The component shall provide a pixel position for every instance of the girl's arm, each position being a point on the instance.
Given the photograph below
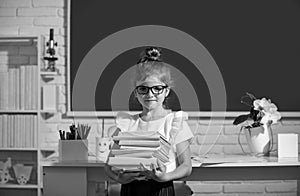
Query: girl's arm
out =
(185, 164)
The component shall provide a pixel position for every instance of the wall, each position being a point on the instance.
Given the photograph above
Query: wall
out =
(35, 17)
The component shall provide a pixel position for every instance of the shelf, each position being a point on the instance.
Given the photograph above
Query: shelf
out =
(21, 126)
(18, 149)
(48, 111)
(12, 38)
(18, 111)
(48, 73)
(48, 149)
(18, 186)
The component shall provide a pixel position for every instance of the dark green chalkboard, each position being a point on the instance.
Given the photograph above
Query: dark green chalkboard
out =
(254, 43)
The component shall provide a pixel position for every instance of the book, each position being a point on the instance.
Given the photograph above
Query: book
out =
(130, 162)
(34, 87)
(2, 86)
(30, 95)
(146, 154)
(139, 148)
(13, 129)
(129, 151)
(144, 143)
(128, 137)
(35, 138)
(22, 87)
(137, 145)
(11, 89)
(161, 156)
(5, 130)
(139, 134)
(18, 131)
(17, 88)
(5, 91)
(1, 130)
(9, 130)
(26, 95)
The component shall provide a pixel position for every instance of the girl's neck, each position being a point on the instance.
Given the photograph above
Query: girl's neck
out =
(148, 115)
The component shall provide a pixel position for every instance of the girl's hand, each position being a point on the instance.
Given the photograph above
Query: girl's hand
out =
(127, 177)
(121, 176)
(157, 173)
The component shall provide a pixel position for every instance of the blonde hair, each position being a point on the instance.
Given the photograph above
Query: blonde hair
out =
(150, 64)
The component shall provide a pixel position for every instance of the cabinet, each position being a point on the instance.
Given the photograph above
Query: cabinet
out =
(20, 114)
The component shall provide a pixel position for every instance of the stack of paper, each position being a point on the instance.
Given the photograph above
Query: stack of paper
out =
(138, 147)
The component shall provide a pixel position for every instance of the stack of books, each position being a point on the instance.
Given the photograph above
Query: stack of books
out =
(135, 148)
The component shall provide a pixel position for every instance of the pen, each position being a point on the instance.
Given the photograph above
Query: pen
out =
(62, 135)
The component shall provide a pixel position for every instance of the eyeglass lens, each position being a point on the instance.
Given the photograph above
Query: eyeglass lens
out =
(154, 89)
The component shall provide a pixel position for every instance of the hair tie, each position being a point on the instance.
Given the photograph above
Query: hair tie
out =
(151, 54)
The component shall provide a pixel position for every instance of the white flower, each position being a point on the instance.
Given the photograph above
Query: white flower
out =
(270, 117)
(268, 109)
(265, 105)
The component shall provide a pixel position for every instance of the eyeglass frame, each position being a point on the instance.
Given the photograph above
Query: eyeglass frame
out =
(151, 89)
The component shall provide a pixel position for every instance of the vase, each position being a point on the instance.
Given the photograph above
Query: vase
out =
(259, 139)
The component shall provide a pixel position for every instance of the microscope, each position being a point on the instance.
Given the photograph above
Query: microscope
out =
(51, 51)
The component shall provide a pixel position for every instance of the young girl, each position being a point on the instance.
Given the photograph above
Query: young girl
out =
(152, 86)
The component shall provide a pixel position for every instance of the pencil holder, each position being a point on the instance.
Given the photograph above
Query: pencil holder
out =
(73, 150)
(103, 145)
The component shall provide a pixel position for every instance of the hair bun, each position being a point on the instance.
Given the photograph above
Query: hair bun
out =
(151, 54)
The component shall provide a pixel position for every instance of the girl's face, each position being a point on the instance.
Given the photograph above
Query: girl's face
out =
(151, 92)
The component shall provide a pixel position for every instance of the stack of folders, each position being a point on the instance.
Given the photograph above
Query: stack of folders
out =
(135, 148)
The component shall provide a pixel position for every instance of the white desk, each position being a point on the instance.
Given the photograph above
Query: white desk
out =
(77, 178)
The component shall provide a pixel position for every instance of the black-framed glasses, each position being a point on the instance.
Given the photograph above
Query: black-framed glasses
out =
(156, 90)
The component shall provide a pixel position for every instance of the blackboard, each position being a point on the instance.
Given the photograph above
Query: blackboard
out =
(245, 46)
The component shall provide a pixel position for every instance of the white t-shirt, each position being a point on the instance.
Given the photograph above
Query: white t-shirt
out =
(173, 127)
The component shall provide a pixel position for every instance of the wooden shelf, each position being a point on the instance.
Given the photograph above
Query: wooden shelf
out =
(18, 111)
(18, 186)
(48, 111)
(18, 149)
(27, 129)
(49, 73)
(48, 149)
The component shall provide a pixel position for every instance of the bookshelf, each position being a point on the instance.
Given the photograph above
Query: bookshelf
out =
(21, 111)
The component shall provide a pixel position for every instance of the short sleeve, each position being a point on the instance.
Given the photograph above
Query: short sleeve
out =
(184, 132)
(123, 121)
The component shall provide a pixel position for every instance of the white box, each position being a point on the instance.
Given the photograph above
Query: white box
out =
(73, 150)
(287, 145)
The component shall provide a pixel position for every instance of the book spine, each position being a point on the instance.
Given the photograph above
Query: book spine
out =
(34, 87)
(10, 89)
(27, 126)
(35, 134)
(5, 130)
(1, 90)
(140, 143)
(22, 87)
(8, 130)
(5, 91)
(17, 88)
(17, 132)
(26, 106)
(30, 95)
(23, 130)
(1, 131)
